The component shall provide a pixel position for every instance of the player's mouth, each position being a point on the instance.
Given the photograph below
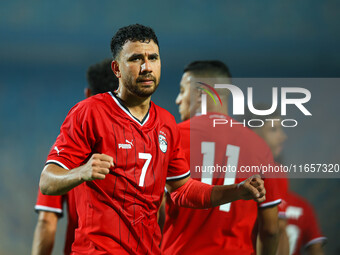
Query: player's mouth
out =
(146, 80)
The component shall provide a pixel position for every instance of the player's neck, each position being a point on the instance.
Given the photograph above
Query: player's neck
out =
(138, 106)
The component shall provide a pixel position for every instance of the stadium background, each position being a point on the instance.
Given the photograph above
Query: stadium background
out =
(46, 47)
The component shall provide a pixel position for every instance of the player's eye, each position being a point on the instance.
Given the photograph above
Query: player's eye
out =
(135, 58)
(153, 57)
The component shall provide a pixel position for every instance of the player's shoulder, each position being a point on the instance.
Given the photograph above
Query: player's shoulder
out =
(163, 115)
(296, 199)
(92, 104)
(98, 99)
(184, 124)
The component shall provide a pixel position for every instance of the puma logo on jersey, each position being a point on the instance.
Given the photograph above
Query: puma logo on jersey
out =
(127, 145)
(127, 141)
(58, 151)
(124, 146)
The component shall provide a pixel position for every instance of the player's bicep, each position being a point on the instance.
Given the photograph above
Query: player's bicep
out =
(315, 249)
(172, 185)
(268, 220)
(49, 173)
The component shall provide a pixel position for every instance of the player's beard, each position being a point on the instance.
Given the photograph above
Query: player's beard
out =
(139, 89)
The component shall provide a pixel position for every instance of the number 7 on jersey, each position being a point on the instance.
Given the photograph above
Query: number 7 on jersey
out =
(148, 157)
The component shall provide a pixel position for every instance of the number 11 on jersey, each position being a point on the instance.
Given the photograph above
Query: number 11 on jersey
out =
(208, 151)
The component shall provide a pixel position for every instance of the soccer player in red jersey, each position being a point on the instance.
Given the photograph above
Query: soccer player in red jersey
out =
(302, 229)
(274, 135)
(100, 79)
(118, 151)
(227, 229)
(298, 225)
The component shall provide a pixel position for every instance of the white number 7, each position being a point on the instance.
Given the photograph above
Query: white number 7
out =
(148, 157)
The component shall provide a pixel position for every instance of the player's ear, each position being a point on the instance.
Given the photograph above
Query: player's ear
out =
(115, 68)
(87, 92)
(197, 94)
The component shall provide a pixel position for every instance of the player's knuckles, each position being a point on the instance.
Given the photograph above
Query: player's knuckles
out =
(98, 176)
(96, 162)
(95, 156)
(104, 171)
(254, 192)
(261, 199)
(105, 164)
(105, 157)
(264, 190)
(256, 176)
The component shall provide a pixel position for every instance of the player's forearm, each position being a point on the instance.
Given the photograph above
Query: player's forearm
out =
(268, 230)
(222, 194)
(56, 180)
(315, 249)
(194, 194)
(269, 244)
(43, 240)
(283, 247)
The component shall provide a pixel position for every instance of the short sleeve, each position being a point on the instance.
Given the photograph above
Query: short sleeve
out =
(49, 203)
(283, 189)
(271, 184)
(76, 139)
(312, 233)
(273, 196)
(178, 166)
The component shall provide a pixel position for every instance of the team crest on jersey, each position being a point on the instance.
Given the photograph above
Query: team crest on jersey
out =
(163, 145)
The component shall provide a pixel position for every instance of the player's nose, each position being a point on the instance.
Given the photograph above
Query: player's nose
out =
(283, 136)
(146, 67)
(178, 99)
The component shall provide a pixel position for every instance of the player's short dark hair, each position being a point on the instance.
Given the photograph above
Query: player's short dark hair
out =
(131, 33)
(248, 115)
(212, 68)
(101, 78)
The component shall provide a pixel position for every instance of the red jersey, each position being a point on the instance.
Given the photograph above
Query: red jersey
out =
(282, 186)
(229, 228)
(302, 228)
(119, 214)
(55, 204)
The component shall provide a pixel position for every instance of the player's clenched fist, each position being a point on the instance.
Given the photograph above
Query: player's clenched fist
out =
(253, 188)
(97, 167)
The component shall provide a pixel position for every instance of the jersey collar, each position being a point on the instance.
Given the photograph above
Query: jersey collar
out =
(119, 102)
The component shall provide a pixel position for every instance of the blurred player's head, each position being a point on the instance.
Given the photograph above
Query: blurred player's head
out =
(100, 78)
(271, 131)
(206, 69)
(136, 62)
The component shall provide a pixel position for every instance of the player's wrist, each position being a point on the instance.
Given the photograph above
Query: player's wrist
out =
(79, 175)
(242, 193)
(238, 191)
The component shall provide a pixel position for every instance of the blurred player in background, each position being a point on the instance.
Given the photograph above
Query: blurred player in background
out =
(298, 225)
(100, 79)
(275, 137)
(303, 229)
(231, 228)
(118, 151)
